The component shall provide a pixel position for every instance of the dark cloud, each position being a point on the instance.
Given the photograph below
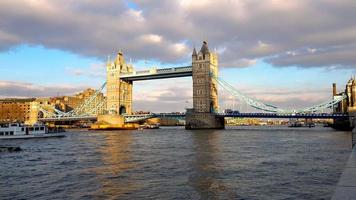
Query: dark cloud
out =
(242, 31)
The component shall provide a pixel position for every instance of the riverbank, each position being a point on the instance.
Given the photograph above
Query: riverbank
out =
(346, 187)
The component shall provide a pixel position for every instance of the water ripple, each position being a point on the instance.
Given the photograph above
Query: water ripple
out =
(172, 163)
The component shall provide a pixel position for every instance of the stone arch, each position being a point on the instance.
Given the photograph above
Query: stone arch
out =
(122, 110)
(40, 114)
(212, 110)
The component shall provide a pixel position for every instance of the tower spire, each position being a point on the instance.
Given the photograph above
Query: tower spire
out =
(194, 52)
(204, 48)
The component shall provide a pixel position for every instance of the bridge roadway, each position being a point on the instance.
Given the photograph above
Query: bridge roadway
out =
(140, 117)
(153, 73)
(68, 119)
(287, 115)
(135, 118)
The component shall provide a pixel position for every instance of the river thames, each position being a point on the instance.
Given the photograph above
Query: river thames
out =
(173, 163)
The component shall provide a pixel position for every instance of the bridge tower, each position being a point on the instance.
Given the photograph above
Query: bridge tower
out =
(351, 101)
(205, 94)
(118, 91)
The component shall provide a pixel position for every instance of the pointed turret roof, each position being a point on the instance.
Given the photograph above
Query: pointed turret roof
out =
(194, 52)
(120, 60)
(204, 48)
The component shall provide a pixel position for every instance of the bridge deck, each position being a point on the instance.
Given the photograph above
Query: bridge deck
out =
(173, 72)
(67, 119)
(240, 115)
(245, 115)
(279, 115)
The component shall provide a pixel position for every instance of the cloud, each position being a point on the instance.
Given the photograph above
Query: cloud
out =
(332, 57)
(167, 30)
(151, 38)
(22, 89)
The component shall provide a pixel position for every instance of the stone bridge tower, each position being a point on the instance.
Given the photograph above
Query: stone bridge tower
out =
(119, 92)
(351, 94)
(205, 94)
(351, 101)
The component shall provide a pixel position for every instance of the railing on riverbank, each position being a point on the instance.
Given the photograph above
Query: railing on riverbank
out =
(353, 137)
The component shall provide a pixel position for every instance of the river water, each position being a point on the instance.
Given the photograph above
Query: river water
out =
(173, 163)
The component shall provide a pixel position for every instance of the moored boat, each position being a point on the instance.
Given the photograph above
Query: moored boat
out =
(295, 124)
(149, 126)
(21, 131)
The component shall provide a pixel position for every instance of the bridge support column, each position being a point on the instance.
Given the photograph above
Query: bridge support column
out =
(205, 93)
(196, 120)
(119, 96)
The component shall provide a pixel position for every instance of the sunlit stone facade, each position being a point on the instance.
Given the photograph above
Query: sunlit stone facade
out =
(119, 92)
(205, 93)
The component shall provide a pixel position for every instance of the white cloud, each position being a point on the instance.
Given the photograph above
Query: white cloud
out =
(151, 38)
(136, 15)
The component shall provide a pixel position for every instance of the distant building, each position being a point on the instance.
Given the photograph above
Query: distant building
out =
(15, 110)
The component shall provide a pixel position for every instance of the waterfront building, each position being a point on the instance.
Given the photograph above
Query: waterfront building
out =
(15, 110)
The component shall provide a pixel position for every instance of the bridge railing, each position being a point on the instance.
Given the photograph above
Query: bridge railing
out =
(286, 115)
(353, 137)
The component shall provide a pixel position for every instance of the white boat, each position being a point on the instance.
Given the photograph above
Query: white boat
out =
(149, 126)
(21, 131)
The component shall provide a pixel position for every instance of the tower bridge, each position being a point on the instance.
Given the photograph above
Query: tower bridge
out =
(205, 111)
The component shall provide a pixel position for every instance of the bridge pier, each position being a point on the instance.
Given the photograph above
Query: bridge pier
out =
(196, 120)
(352, 118)
(113, 122)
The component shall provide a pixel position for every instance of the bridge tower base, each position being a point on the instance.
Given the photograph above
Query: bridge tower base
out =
(194, 120)
(113, 122)
(352, 118)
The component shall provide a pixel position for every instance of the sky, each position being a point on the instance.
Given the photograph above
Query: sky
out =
(282, 52)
